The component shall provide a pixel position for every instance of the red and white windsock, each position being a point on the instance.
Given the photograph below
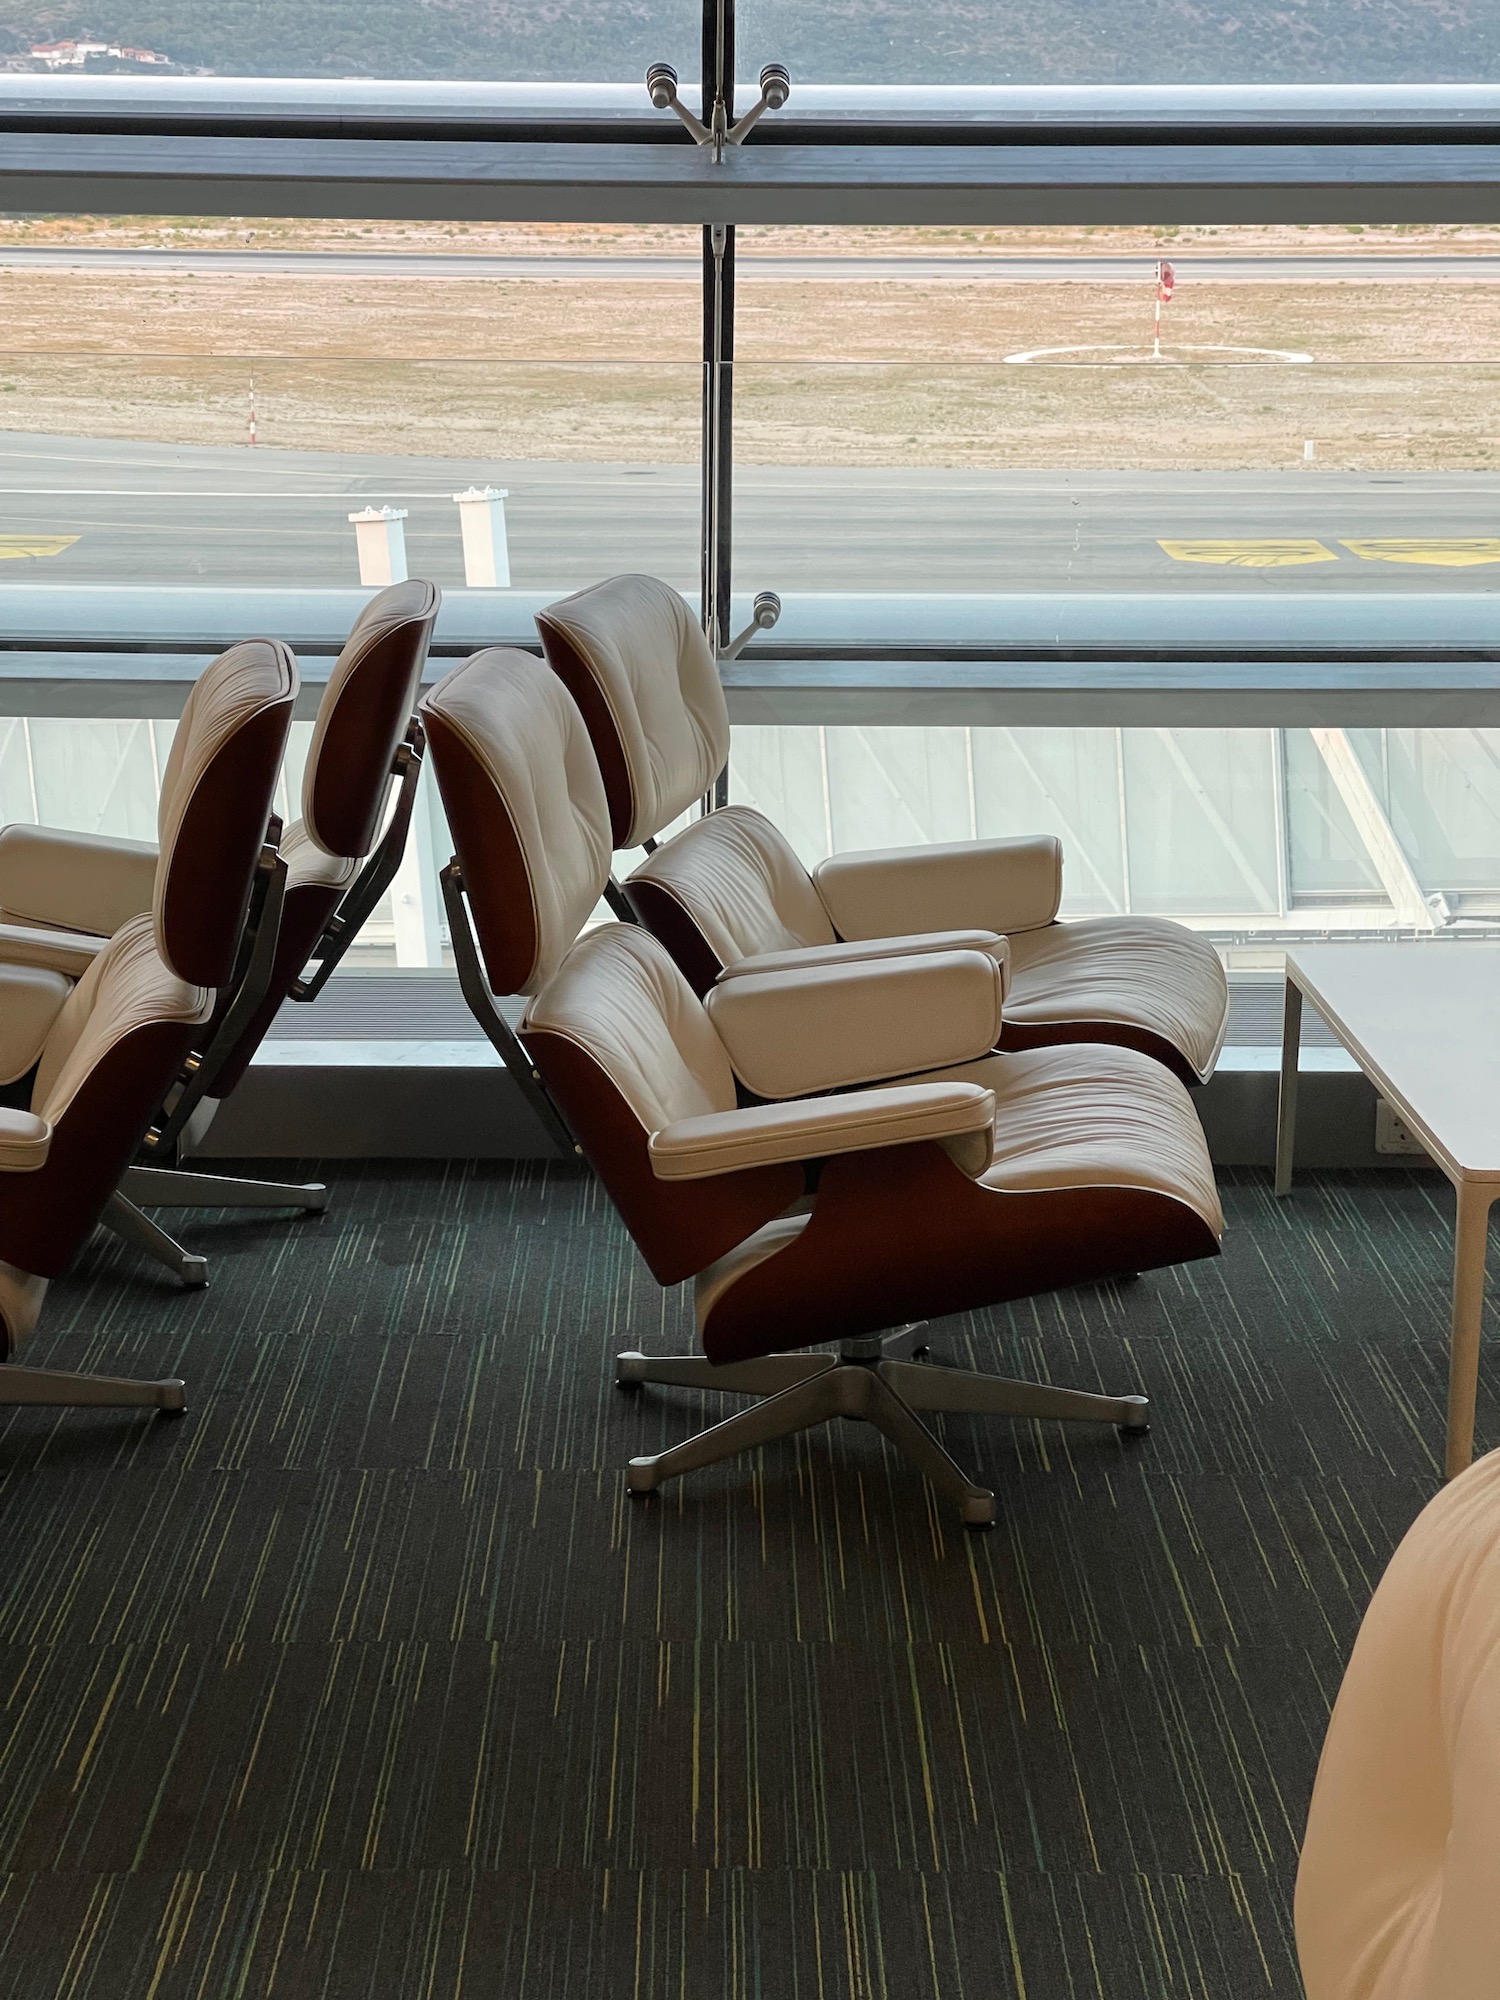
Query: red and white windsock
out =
(1166, 278)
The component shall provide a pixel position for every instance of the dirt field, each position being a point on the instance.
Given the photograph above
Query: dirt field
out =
(876, 373)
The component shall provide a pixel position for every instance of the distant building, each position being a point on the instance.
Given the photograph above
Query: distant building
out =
(75, 55)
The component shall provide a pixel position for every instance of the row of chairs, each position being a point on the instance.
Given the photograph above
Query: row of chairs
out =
(137, 980)
(842, 1102)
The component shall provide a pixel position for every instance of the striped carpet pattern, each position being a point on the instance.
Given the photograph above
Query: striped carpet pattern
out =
(367, 1678)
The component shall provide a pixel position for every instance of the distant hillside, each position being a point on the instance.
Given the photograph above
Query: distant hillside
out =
(875, 41)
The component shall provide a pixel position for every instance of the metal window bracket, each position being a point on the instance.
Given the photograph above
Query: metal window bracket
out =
(719, 132)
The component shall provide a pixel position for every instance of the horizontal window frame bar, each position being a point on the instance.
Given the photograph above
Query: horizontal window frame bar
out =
(1014, 185)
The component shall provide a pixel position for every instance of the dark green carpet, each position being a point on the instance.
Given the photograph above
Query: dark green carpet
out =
(367, 1679)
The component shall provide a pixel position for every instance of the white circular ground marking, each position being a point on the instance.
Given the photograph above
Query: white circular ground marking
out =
(1165, 357)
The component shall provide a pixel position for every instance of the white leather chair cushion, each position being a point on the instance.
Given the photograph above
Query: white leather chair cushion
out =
(530, 756)
(958, 1116)
(25, 1141)
(1126, 971)
(411, 603)
(30, 1001)
(620, 997)
(68, 952)
(1398, 1894)
(740, 881)
(832, 1026)
(126, 987)
(805, 957)
(310, 866)
(995, 885)
(73, 881)
(1087, 1115)
(660, 682)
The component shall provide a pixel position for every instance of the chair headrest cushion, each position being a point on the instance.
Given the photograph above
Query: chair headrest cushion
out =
(635, 660)
(526, 807)
(363, 715)
(215, 801)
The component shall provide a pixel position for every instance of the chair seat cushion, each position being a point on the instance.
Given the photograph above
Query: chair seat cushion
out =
(1139, 981)
(1091, 1116)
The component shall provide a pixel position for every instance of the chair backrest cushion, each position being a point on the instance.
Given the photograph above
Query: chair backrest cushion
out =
(726, 887)
(625, 1048)
(109, 1059)
(215, 802)
(1397, 1890)
(636, 662)
(526, 808)
(366, 708)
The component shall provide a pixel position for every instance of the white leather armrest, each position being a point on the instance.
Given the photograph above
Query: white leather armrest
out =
(76, 881)
(999, 885)
(68, 952)
(788, 1034)
(30, 1001)
(885, 947)
(24, 1142)
(960, 1117)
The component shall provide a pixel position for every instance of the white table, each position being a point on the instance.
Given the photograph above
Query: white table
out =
(1423, 1023)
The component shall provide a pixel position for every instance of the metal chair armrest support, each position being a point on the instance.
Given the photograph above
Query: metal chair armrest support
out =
(502, 1038)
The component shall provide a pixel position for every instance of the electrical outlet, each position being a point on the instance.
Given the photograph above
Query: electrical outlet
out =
(1392, 1134)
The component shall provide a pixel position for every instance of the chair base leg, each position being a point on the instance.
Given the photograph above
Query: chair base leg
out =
(55, 1388)
(169, 1187)
(126, 1221)
(863, 1381)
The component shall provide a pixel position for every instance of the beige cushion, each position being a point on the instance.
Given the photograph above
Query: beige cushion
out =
(363, 715)
(996, 885)
(215, 803)
(126, 987)
(1137, 972)
(30, 1001)
(659, 683)
(862, 949)
(620, 997)
(527, 810)
(738, 879)
(958, 1116)
(1397, 1892)
(73, 881)
(68, 952)
(25, 1141)
(831, 1026)
(1087, 1115)
(310, 866)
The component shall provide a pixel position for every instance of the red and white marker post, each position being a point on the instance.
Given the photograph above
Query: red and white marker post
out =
(1166, 279)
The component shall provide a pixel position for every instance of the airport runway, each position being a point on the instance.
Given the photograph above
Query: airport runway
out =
(87, 511)
(1191, 267)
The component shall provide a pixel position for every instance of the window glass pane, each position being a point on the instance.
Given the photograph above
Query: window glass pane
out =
(566, 41)
(994, 410)
(207, 403)
(1201, 821)
(1440, 788)
(1128, 41)
(1326, 858)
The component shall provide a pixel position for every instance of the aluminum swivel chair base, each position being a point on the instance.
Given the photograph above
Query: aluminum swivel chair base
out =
(874, 1379)
(56, 1389)
(169, 1187)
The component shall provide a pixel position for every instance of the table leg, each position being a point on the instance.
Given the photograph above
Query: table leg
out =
(1470, 1242)
(1286, 1101)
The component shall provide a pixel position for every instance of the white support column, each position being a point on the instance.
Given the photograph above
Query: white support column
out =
(415, 902)
(1377, 835)
(481, 515)
(381, 541)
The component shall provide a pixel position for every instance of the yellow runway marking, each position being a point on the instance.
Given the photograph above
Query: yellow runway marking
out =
(34, 545)
(1454, 554)
(1249, 555)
